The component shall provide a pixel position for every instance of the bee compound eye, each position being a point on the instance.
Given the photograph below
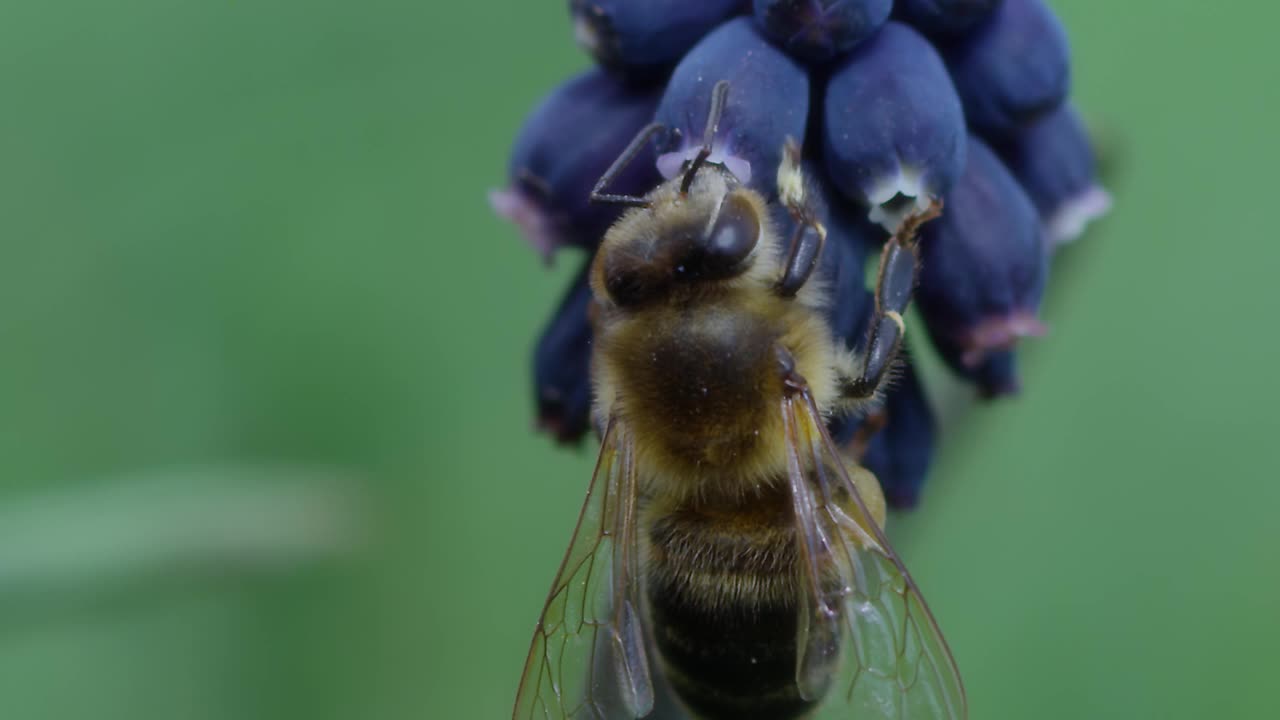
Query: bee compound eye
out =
(733, 236)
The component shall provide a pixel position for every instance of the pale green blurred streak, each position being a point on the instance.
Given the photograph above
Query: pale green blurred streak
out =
(255, 234)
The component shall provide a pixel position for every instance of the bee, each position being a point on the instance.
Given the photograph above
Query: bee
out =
(729, 560)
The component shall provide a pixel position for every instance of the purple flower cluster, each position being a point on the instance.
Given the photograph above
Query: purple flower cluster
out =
(895, 104)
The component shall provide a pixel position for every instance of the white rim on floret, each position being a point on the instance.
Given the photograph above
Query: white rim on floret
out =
(1073, 215)
(671, 164)
(907, 182)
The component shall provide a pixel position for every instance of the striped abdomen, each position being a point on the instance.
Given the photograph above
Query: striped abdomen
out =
(721, 585)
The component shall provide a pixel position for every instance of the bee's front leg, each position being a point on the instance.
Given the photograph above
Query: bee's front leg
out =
(895, 282)
(809, 235)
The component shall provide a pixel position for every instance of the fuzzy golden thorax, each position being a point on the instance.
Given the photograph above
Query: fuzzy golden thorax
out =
(687, 357)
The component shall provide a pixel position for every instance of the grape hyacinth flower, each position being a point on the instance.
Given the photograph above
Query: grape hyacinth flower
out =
(895, 104)
(983, 266)
(563, 148)
(752, 132)
(1053, 160)
(644, 37)
(817, 30)
(872, 155)
(1012, 68)
(851, 239)
(899, 455)
(944, 17)
(561, 366)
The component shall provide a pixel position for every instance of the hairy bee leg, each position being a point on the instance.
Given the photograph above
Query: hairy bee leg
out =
(873, 423)
(868, 487)
(809, 236)
(628, 155)
(806, 247)
(598, 195)
(899, 264)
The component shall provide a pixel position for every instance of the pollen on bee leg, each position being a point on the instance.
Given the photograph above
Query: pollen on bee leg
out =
(821, 229)
(870, 492)
(791, 176)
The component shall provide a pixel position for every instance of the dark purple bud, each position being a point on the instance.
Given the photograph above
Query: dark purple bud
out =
(900, 454)
(645, 35)
(893, 129)
(768, 102)
(997, 374)
(566, 144)
(1014, 67)
(983, 265)
(1054, 160)
(851, 240)
(816, 31)
(561, 366)
(944, 17)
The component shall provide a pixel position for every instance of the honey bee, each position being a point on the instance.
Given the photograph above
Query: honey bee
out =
(729, 560)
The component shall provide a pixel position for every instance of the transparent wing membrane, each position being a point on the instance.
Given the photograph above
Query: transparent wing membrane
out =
(866, 641)
(593, 607)
(861, 612)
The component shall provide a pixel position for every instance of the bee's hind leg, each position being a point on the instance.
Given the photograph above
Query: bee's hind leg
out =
(864, 482)
(809, 235)
(895, 283)
(872, 423)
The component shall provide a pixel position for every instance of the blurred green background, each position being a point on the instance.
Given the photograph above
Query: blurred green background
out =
(265, 418)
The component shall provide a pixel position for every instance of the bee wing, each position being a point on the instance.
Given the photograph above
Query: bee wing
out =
(593, 607)
(861, 611)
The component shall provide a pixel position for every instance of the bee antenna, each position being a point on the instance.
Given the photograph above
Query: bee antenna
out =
(718, 95)
(637, 144)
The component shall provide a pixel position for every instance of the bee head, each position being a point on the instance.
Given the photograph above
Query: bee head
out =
(706, 235)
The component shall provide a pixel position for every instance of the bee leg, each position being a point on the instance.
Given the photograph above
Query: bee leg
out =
(895, 282)
(873, 423)
(718, 95)
(868, 487)
(598, 195)
(806, 247)
(809, 234)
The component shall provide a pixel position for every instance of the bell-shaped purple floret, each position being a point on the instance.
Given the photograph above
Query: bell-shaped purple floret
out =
(994, 375)
(768, 102)
(1053, 159)
(944, 17)
(983, 265)
(816, 31)
(997, 374)
(645, 35)
(563, 148)
(893, 130)
(561, 367)
(1012, 68)
(900, 453)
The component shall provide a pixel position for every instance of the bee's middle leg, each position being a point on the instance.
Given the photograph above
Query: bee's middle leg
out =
(899, 264)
